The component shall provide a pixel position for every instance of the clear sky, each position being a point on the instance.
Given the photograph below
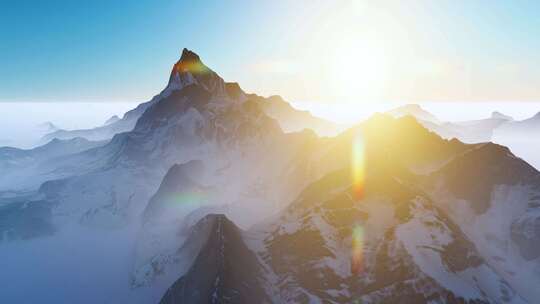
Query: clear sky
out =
(316, 51)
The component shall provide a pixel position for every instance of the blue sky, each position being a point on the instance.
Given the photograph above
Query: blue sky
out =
(321, 51)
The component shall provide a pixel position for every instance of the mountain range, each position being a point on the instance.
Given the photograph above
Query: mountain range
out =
(237, 198)
(518, 135)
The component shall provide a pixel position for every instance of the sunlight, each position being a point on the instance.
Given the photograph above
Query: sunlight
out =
(359, 70)
(186, 199)
(357, 249)
(358, 166)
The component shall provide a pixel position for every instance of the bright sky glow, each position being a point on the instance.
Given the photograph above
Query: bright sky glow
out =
(350, 112)
(319, 51)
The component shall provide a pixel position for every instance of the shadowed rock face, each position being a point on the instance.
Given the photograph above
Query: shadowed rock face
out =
(473, 175)
(176, 103)
(179, 182)
(225, 270)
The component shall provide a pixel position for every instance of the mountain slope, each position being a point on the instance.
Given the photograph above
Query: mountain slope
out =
(493, 196)
(293, 120)
(394, 244)
(105, 132)
(216, 276)
(27, 169)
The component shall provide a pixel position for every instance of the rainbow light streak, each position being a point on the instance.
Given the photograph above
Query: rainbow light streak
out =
(357, 249)
(358, 166)
(185, 201)
(191, 66)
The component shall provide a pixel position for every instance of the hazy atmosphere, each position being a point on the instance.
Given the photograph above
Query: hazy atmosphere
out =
(247, 152)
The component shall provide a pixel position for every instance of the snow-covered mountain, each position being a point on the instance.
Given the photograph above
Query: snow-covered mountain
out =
(496, 206)
(289, 118)
(414, 247)
(222, 205)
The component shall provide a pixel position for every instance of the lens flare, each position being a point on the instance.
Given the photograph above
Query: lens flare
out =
(193, 66)
(186, 200)
(357, 249)
(358, 166)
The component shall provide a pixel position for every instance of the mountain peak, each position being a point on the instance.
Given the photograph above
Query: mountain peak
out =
(111, 120)
(189, 70)
(499, 115)
(414, 110)
(188, 55)
(190, 62)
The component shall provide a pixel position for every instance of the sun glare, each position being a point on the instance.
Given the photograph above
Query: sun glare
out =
(358, 166)
(359, 71)
(358, 183)
(357, 249)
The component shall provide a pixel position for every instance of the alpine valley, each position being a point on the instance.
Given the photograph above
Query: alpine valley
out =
(209, 194)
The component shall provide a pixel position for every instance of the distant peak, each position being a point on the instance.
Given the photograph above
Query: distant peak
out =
(111, 120)
(499, 115)
(414, 110)
(48, 127)
(412, 106)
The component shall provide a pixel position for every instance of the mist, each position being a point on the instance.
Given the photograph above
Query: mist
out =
(22, 123)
